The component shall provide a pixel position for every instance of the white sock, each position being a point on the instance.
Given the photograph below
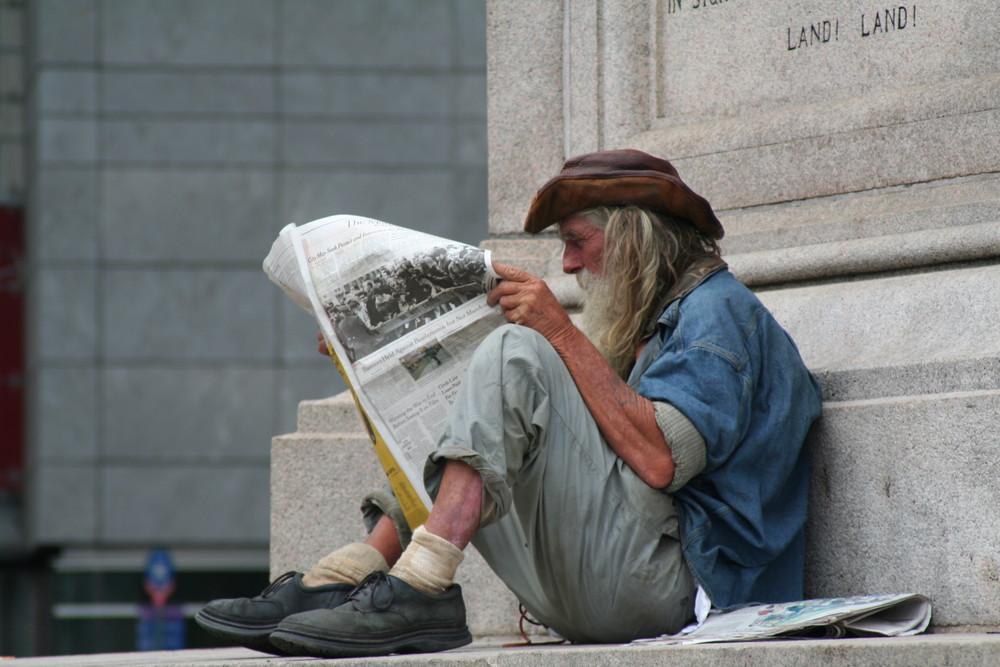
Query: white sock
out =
(429, 562)
(347, 565)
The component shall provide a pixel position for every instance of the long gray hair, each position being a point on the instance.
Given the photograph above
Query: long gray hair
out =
(644, 255)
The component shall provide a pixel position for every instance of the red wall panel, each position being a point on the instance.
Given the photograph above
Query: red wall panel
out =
(12, 274)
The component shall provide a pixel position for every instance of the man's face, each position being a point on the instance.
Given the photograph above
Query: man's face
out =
(583, 248)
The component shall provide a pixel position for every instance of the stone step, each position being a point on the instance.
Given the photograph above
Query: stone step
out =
(899, 487)
(955, 650)
(852, 331)
(903, 498)
(329, 415)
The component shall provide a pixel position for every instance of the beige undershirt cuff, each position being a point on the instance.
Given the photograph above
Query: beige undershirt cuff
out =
(687, 447)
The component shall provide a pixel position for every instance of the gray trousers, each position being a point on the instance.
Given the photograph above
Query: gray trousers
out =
(587, 547)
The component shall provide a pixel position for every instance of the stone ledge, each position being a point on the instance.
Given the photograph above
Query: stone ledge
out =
(877, 520)
(937, 317)
(317, 483)
(917, 379)
(874, 254)
(921, 134)
(864, 233)
(335, 414)
(793, 122)
(897, 210)
(955, 650)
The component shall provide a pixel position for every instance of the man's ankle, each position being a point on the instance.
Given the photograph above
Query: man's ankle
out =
(347, 565)
(429, 562)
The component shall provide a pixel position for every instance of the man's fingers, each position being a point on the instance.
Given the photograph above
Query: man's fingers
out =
(507, 305)
(513, 279)
(321, 347)
(503, 289)
(508, 272)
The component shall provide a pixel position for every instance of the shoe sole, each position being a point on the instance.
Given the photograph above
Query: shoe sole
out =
(419, 641)
(256, 637)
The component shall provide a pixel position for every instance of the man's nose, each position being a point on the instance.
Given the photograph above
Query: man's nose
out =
(571, 260)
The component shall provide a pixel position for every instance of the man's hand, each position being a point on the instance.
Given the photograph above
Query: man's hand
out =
(527, 300)
(323, 349)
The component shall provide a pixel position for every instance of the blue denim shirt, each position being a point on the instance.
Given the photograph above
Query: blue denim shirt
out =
(722, 360)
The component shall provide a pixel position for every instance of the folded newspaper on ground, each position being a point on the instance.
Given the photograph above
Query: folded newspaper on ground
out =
(401, 312)
(860, 616)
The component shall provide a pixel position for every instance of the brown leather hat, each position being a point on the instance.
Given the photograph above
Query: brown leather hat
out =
(619, 178)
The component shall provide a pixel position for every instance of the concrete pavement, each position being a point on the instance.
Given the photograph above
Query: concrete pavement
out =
(952, 649)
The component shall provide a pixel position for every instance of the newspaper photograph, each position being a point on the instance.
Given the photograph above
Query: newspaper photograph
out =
(402, 311)
(858, 616)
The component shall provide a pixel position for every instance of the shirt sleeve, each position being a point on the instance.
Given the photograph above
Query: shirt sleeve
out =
(687, 447)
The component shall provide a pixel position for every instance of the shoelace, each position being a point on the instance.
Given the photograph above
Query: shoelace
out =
(276, 583)
(527, 641)
(375, 582)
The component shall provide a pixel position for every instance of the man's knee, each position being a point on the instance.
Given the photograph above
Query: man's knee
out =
(512, 342)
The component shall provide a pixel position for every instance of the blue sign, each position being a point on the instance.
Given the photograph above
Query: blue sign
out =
(161, 625)
(160, 581)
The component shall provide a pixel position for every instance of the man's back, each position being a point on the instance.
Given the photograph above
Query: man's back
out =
(727, 365)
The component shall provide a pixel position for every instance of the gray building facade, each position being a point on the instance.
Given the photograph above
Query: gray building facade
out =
(156, 149)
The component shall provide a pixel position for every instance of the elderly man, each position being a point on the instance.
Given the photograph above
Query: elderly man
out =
(609, 479)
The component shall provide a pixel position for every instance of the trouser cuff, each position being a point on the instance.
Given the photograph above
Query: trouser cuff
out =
(382, 502)
(496, 493)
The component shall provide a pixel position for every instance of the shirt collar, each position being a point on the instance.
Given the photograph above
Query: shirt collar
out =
(697, 272)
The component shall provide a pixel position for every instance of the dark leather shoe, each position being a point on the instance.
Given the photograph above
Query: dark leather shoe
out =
(382, 615)
(248, 621)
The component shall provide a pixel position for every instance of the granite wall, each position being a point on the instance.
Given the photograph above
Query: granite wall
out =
(852, 151)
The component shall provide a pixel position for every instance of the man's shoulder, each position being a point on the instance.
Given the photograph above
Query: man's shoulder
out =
(722, 280)
(721, 312)
(721, 292)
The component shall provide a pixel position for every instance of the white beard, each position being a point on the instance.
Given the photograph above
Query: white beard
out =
(599, 312)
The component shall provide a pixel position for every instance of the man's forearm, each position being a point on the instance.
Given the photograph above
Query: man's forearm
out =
(626, 418)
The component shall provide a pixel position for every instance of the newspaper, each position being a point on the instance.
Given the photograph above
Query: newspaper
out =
(859, 616)
(401, 312)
